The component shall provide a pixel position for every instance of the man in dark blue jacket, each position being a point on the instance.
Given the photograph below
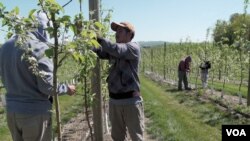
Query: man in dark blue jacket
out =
(27, 99)
(125, 105)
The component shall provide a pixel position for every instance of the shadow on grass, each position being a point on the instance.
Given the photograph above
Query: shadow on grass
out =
(175, 90)
(172, 90)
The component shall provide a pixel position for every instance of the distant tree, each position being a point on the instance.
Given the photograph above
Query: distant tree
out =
(238, 22)
(226, 31)
(221, 31)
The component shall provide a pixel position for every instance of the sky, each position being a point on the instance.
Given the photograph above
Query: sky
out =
(154, 20)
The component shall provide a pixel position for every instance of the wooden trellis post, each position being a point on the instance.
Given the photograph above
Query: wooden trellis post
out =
(94, 7)
(164, 58)
(248, 92)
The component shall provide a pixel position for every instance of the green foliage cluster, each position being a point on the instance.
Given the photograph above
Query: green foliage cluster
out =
(228, 32)
(78, 50)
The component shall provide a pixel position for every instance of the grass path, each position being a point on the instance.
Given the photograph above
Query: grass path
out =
(171, 120)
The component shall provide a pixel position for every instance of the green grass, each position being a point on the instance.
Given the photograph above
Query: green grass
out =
(70, 106)
(230, 88)
(207, 111)
(173, 113)
(4, 131)
(172, 120)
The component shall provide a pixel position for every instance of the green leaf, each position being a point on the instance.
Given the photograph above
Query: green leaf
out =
(4, 22)
(75, 56)
(9, 35)
(99, 25)
(31, 13)
(65, 18)
(1, 5)
(107, 18)
(16, 9)
(49, 52)
(92, 55)
(81, 58)
(95, 43)
(92, 35)
(84, 33)
(73, 28)
(50, 30)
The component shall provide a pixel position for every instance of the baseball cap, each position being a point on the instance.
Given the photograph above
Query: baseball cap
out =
(127, 25)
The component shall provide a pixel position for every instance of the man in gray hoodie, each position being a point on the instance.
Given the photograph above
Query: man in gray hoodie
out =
(27, 99)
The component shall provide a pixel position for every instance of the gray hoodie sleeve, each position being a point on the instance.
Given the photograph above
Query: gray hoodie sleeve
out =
(45, 66)
(45, 82)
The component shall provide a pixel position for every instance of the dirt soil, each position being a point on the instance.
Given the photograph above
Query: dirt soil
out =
(77, 130)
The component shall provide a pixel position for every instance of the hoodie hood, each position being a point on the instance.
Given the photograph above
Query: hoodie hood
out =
(188, 59)
(43, 21)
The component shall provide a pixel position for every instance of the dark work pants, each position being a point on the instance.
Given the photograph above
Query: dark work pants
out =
(126, 117)
(26, 127)
(182, 75)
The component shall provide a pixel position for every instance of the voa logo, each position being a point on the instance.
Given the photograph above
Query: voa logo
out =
(236, 132)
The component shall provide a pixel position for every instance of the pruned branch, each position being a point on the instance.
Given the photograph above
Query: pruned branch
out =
(61, 60)
(43, 9)
(67, 3)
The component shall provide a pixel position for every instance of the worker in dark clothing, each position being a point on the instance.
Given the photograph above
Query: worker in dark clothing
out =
(183, 70)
